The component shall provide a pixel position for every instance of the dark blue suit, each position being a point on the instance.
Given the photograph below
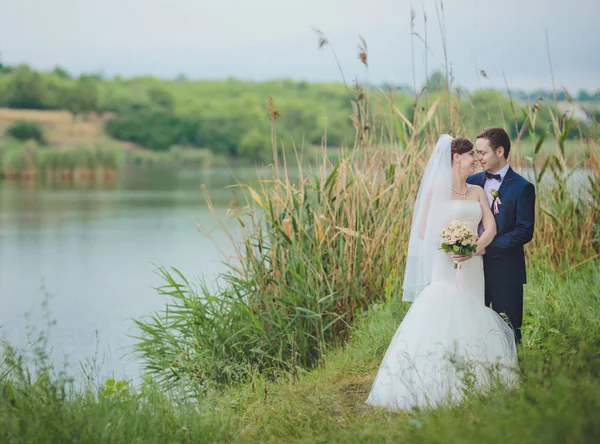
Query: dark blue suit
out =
(504, 261)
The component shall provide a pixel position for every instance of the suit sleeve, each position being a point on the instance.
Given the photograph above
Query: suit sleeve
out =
(523, 231)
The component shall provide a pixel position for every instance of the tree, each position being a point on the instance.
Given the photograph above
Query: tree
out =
(584, 96)
(26, 89)
(161, 98)
(61, 72)
(154, 129)
(4, 69)
(82, 97)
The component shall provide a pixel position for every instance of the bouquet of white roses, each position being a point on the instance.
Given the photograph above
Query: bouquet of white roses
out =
(459, 238)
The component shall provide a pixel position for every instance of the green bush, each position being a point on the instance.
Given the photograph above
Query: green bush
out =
(154, 129)
(26, 130)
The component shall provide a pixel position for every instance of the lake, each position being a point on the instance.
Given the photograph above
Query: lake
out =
(95, 251)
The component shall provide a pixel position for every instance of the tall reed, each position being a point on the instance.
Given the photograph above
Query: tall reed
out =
(52, 163)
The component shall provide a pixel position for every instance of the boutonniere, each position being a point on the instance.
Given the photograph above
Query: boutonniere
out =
(495, 200)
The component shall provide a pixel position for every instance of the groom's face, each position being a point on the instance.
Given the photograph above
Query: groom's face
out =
(489, 159)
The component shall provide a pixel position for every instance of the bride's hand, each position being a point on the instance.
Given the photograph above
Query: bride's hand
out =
(479, 252)
(458, 258)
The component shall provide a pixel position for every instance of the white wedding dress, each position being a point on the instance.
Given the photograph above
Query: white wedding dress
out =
(449, 342)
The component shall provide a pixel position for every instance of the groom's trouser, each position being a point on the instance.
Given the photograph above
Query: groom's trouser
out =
(507, 299)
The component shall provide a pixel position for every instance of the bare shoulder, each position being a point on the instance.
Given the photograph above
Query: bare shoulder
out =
(477, 189)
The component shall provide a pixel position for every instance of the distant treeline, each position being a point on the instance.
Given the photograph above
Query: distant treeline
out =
(229, 116)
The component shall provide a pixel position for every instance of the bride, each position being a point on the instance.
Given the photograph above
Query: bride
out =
(449, 342)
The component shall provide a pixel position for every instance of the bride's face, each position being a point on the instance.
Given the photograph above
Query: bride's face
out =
(466, 162)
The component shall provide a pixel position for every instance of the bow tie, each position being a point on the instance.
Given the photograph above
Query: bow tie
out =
(491, 176)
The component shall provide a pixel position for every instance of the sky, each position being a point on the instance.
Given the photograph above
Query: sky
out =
(266, 39)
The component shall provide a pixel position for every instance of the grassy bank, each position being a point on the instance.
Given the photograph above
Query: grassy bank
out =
(558, 401)
(30, 162)
(99, 162)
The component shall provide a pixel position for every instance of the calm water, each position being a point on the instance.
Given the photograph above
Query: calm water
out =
(94, 251)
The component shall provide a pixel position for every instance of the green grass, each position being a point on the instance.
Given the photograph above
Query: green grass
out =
(17, 159)
(558, 401)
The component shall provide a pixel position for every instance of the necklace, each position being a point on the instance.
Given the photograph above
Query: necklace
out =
(463, 195)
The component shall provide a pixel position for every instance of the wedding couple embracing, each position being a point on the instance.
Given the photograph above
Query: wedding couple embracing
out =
(450, 340)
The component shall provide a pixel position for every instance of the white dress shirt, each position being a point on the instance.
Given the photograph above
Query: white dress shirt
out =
(493, 183)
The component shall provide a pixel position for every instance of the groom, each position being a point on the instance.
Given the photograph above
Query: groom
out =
(512, 199)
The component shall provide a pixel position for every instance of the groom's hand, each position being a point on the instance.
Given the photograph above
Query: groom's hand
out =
(458, 258)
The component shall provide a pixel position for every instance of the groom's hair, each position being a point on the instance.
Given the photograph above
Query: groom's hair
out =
(497, 137)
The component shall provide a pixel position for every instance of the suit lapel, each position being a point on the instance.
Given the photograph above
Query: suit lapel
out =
(507, 180)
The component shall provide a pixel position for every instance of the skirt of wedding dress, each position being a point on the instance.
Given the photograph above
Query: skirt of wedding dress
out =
(448, 344)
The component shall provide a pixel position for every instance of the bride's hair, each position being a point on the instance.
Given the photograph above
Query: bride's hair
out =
(460, 145)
